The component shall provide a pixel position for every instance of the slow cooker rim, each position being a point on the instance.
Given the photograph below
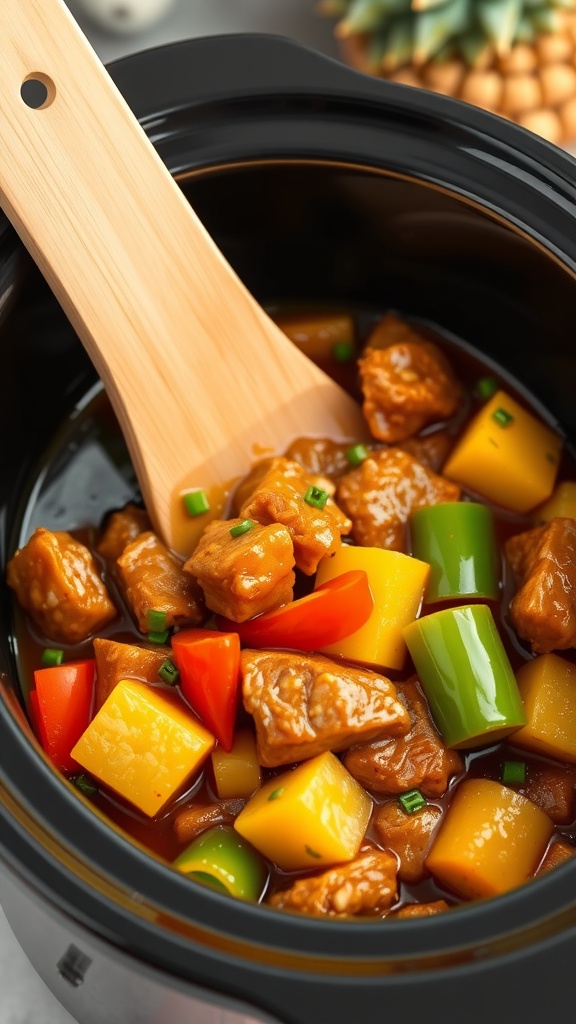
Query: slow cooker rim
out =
(548, 892)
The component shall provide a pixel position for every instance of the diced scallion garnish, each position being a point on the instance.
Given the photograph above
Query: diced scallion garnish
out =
(196, 503)
(316, 497)
(513, 773)
(156, 620)
(168, 672)
(158, 636)
(343, 351)
(84, 783)
(276, 793)
(244, 527)
(51, 656)
(486, 387)
(502, 418)
(356, 454)
(312, 853)
(412, 801)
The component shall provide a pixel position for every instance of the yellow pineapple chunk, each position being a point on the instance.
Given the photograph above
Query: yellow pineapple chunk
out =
(397, 582)
(507, 455)
(310, 817)
(561, 504)
(144, 744)
(237, 772)
(547, 686)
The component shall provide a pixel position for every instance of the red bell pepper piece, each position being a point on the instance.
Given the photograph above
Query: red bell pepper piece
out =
(209, 667)
(62, 708)
(334, 610)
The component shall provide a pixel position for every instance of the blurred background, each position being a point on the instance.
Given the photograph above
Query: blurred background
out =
(119, 27)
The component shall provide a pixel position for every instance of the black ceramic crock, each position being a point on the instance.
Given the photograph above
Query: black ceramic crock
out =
(13, 264)
(319, 184)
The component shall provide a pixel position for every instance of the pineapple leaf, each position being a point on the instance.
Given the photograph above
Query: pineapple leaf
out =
(366, 16)
(435, 27)
(426, 5)
(544, 19)
(499, 19)
(399, 43)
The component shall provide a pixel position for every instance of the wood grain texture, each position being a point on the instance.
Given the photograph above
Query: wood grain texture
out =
(201, 379)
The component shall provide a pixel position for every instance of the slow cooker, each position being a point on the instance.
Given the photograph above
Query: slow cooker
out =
(320, 185)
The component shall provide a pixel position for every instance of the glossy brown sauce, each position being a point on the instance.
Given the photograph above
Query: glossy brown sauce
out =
(94, 437)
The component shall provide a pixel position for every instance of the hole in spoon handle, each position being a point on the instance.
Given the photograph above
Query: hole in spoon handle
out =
(38, 90)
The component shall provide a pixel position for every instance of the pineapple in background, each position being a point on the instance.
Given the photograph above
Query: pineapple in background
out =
(516, 58)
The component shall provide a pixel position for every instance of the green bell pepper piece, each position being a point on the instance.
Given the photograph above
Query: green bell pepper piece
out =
(458, 541)
(222, 859)
(466, 675)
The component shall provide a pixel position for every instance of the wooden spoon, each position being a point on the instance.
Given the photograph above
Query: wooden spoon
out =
(199, 376)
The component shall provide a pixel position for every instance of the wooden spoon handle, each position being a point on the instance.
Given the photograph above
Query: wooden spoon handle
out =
(182, 347)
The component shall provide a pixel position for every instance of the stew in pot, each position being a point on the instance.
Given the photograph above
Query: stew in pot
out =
(357, 695)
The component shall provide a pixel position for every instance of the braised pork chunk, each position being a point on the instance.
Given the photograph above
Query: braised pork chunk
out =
(543, 560)
(246, 575)
(281, 496)
(366, 886)
(303, 705)
(407, 382)
(381, 494)
(57, 583)
(416, 760)
(153, 579)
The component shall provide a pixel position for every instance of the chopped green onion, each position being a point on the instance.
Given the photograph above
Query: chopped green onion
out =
(196, 503)
(412, 801)
(156, 620)
(243, 527)
(312, 853)
(486, 387)
(316, 497)
(51, 656)
(158, 637)
(276, 793)
(168, 672)
(502, 418)
(357, 454)
(513, 773)
(343, 351)
(84, 783)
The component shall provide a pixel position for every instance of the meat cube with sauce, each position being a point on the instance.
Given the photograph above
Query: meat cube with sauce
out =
(408, 836)
(121, 528)
(558, 852)
(319, 456)
(431, 450)
(383, 492)
(543, 560)
(280, 497)
(416, 760)
(247, 485)
(116, 661)
(407, 382)
(552, 788)
(411, 910)
(56, 581)
(154, 580)
(245, 575)
(191, 821)
(366, 886)
(303, 705)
